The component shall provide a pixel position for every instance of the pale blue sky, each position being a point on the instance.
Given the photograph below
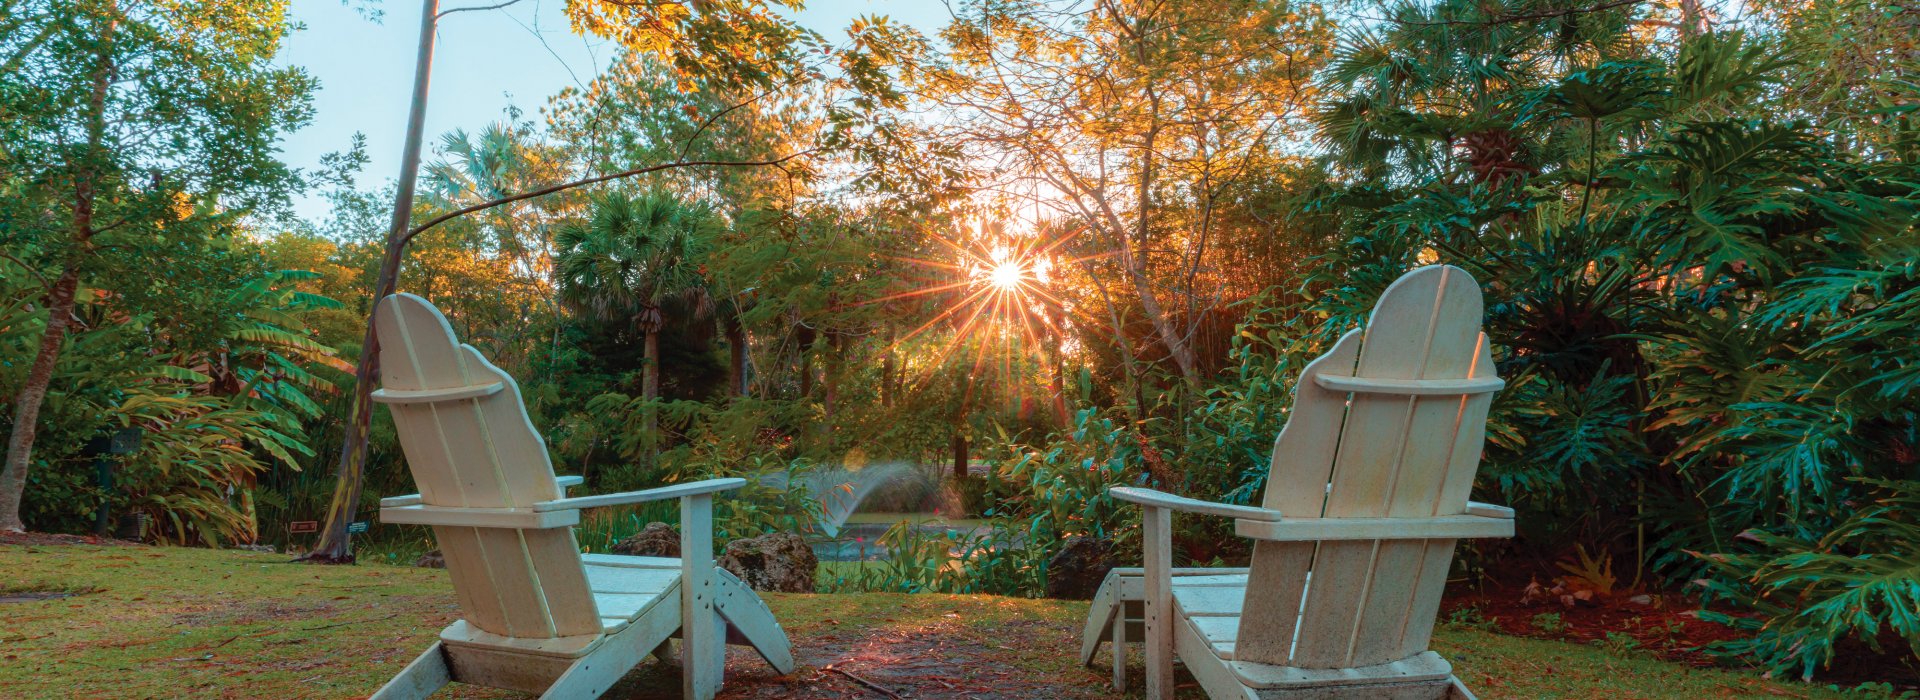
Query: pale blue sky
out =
(483, 62)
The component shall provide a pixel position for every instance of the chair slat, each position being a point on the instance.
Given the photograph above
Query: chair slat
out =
(555, 556)
(472, 580)
(1452, 339)
(1468, 440)
(1424, 606)
(516, 452)
(1303, 458)
(1303, 452)
(522, 601)
(1270, 613)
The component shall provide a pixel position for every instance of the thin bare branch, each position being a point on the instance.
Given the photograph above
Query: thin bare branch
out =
(463, 211)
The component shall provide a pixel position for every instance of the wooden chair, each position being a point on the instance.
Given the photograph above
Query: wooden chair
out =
(1367, 493)
(536, 614)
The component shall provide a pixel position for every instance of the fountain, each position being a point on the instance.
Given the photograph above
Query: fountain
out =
(900, 490)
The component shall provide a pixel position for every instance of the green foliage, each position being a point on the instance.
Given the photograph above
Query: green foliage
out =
(1470, 618)
(633, 255)
(221, 398)
(1860, 581)
(1618, 643)
(1704, 312)
(1549, 623)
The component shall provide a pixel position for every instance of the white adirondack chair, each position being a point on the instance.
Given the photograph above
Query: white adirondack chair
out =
(536, 614)
(1367, 494)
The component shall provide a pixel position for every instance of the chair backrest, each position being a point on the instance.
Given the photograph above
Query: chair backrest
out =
(1349, 603)
(470, 444)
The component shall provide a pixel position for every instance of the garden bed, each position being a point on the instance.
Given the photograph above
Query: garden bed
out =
(204, 623)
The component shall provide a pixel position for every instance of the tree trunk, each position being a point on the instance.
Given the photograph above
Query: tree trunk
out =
(1136, 265)
(336, 544)
(806, 337)
(26, 415)
(959, 456)
(650, 386)
(737, 354)
(60, 297)
(830, 383)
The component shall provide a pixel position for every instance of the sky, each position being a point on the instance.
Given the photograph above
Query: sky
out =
(483, 63)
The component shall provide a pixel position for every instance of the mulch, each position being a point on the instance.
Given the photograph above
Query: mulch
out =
(1664, 625)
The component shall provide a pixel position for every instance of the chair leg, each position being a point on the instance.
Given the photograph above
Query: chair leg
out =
(749, 615)
(1100, 614)
(419, 679)
(615, 656)
(702, 634)
(1120, 646)
(1157, 545)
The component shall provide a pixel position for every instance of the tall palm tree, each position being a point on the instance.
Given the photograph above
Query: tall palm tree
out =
(631, 259)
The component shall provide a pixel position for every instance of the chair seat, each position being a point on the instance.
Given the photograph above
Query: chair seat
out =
(623, 586)
(1210, 607)
(1213, 604)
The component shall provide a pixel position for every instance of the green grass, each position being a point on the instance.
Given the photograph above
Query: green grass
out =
(167, 622)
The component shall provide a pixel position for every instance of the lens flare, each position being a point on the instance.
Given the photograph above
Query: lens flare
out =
(1006, 275)
(999, 299)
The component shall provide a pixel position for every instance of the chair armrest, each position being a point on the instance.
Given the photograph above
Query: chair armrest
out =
(1488, 510)
(1161, 499)
(413, 499)
(1463, 526)
(693, 488)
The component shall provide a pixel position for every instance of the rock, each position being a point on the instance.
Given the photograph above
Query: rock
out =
(777, 561)
(1642, 599)
(1076, 572)
(655, 540)
(431, 560)
(262, 548)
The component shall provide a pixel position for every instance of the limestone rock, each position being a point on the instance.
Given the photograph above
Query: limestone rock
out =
(655, 540)
(1076, 572)
(777, 561)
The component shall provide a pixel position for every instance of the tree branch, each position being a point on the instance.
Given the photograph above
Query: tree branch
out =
(444, 13)
(1509, 19)
(463, 211)
(44, 282)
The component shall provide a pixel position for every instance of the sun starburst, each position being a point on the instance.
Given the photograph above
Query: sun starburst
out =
(1002, 303)
(1007, 275)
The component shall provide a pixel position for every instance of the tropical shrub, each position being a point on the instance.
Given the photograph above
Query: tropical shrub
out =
(1705, 316)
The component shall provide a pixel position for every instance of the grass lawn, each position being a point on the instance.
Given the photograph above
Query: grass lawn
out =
(170, 622)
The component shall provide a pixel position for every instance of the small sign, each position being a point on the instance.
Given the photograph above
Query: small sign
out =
(302, 527)
(356, 528)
